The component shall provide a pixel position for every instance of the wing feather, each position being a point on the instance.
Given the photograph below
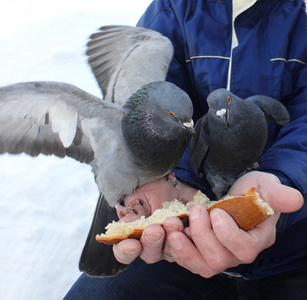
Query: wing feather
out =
(125, 58)
(274, 110)
(49, 118)
(199, 146)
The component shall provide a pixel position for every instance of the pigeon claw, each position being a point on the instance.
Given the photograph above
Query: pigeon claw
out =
(122, 211)
(254, 166)
(134, 202)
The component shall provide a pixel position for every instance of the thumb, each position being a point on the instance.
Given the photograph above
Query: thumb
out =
(282, 198)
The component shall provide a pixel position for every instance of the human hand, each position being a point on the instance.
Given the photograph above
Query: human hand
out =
(149, 198)
(214, 243)
(218, 243)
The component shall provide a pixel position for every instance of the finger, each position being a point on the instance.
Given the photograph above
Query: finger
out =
(265, 231)
(170, 225)
(152, 241)
(206, 256)
(243, 245)
(127, 251)
(282, 198)
(256, 179)
(187, 232)
(217, 256)
(187, 255)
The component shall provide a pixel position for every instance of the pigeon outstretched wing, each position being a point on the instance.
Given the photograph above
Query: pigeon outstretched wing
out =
(124, 58)
(130, 65)
(52, 118)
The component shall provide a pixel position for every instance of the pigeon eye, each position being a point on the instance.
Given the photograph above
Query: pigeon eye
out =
(229, 99)
(171, 113)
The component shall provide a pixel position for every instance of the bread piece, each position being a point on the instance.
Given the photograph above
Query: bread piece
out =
(247, 211)
(117, 231)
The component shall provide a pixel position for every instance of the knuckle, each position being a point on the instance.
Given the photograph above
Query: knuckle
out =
(125, 258)
(272, 240)
(125, 255)
(207, 273)
(168, 257)
(216, 263)
(197, 233)
(247, 256)
(150, 259)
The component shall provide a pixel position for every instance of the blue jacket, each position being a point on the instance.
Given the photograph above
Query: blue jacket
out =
(264, 53)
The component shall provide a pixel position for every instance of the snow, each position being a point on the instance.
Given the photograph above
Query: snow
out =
(47, 203)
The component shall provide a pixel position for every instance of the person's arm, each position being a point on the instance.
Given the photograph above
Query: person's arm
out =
(287, 157)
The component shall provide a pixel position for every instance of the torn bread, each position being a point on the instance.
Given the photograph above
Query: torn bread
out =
(248, 211)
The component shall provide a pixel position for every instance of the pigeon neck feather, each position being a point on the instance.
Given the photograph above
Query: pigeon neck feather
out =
(150, 137)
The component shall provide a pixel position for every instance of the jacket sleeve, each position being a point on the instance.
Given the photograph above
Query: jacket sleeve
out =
(287, 157)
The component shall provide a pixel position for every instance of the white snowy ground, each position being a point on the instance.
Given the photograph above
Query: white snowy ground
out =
(47, 203)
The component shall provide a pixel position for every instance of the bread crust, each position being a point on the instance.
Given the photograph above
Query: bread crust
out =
(247, 211)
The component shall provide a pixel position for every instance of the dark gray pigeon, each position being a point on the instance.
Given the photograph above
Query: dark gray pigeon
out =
(231, 136)
(127, 146)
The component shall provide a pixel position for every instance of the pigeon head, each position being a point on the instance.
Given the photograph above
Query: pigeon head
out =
(228, 109)
(223, 107)
(172, 105)
(157, 124)
(220, 102)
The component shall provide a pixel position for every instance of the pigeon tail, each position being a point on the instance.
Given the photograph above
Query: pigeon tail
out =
(98, 260)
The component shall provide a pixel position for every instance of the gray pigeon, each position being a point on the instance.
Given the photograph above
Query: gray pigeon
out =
(231, 136)
(126, 145)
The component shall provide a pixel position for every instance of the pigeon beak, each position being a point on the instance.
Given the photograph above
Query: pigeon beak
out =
(189, 126)
(223, 114)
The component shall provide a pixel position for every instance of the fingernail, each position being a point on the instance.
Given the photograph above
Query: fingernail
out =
(194, 213)
(216, 218)
(169, 226)
(131, 253)
(153, 237)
